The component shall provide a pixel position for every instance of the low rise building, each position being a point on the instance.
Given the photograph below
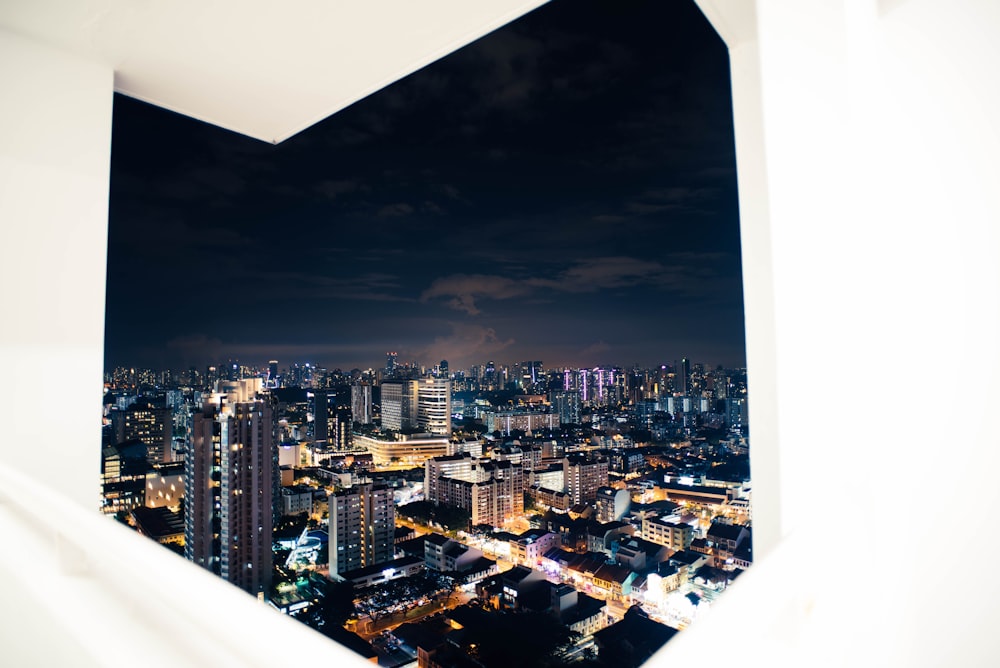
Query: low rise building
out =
(546, 498)
(726, 540)
(675, 535)
(407, 450)
(446, 555)
(296, 500)
(531, 546)
(397, 569)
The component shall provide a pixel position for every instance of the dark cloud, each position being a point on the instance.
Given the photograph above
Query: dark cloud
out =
(463, 290)
(685, 274)
(395, 209)
(466, 344)
(335, 189)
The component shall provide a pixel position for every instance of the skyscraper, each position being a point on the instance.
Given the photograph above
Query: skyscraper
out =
(584, 475)
(152, 425)
(361, 403)
(339, 430)
(321, 415)
(567, 405)
(683, 374)
(399, 404)
(229, 488)
(362, 526)
(390, 364)
(434, 405)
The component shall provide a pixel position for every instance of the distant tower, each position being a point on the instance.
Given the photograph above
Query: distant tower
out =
(362, 526)
(152, 425)
(321, 416)
(340, 430)
(229, 489)
(683, 373)
(390, 363)
(272, 373)
(443, 367)
(361, 403)
(567, 405)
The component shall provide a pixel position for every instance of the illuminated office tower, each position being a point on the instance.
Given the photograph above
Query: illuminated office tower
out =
(339, 430)
(434, 405)
(399, 404)
(229, 489)
(390, 364)
(272, 373)
(151, 425)
(361, 403)
(362, 527)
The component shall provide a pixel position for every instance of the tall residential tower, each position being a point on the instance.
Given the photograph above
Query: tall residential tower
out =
(229, 490)
(362, 526)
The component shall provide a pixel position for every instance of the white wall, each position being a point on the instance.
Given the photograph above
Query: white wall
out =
(55, 138)
(868, 171)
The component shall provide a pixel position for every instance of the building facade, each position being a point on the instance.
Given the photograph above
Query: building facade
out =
(674, 535)
(399, 404)
(584, 475)
(434, 405)
(612, 504)
(362, 525)
(492, 492)
(229, 486)
(404, 450)
(361, 403)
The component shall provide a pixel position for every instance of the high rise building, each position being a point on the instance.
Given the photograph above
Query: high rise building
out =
(339, 430)
(584, 475)
(152, 426)
(361, 403)
(399, 404)
(490, 380)
(362, 527)
(272, 373)
(567, 404)
(434, 405)
(683, 376)
(492, 491)
(321, 416)
(390, 364)
(534, 371)
(612, 504)
(229, 490)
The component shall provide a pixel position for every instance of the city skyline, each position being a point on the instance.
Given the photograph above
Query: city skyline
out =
(562, 189)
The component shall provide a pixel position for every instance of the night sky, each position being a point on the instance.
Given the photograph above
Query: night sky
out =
(563, 189)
